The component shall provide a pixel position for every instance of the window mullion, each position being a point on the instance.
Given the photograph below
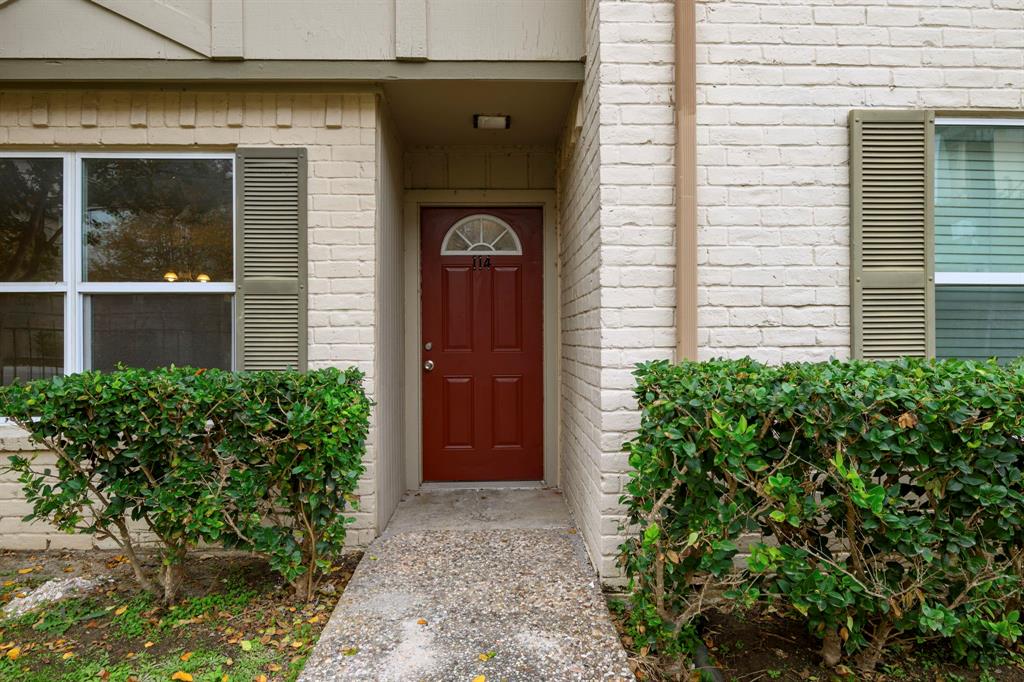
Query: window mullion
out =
(71, 363)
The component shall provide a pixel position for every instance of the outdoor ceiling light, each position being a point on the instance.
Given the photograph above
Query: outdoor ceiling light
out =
(492, 121)
(202, 277)
(171, 276)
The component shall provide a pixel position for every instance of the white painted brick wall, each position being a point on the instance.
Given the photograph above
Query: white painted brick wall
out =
(777, 80)
(339, 132)
(579, 259)
(616, 226)
(637, 229)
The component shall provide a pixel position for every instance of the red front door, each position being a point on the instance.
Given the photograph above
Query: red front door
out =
(482, 346)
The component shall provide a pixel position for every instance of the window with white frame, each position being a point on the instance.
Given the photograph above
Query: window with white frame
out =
(979, 238)
(115, 258)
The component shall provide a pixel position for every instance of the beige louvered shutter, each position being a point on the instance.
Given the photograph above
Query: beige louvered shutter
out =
(892, 235)
(270, 247)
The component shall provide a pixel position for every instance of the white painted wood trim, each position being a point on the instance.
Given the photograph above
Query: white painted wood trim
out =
(414, 200)
(981, 278)
(966, 121)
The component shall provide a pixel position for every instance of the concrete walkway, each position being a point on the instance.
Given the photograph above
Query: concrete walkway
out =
(467, 583)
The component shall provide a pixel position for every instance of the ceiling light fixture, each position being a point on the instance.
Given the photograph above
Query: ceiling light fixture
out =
(492, 121)
(171, 276)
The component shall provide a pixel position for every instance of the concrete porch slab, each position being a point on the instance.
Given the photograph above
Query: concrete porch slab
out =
(456, 577)
(480, 509)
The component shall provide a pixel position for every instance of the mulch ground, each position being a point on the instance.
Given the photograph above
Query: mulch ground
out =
(235, 621)
(762, 646)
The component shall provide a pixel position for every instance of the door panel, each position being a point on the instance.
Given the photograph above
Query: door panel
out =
(482, 314)
(507, 304)
(457, 307)
(457, 408)
(507, 411)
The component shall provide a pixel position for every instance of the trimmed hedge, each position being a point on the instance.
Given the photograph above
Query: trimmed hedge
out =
(260, 461)
(880, 501)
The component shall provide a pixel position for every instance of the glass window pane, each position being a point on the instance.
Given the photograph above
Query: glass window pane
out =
(31, 219)
(480, 234)
(156, 330)
(31, 336)
(147, 218)
(979, 199)
(979, 322)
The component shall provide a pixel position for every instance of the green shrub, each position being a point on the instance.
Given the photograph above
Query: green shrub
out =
(265, 461)
(880, 501)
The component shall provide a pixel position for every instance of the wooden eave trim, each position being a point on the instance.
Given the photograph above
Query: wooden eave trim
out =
(196, 70)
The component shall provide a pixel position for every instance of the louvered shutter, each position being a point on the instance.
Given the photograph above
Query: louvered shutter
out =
(892, 233)
(270, 248)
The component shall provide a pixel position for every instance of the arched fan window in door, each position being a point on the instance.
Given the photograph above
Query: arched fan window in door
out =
(481, 234)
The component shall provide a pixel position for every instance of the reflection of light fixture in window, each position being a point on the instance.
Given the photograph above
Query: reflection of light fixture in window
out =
(171, 276)
(202, 277)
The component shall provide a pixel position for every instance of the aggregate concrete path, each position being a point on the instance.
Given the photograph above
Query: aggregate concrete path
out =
(467, 583)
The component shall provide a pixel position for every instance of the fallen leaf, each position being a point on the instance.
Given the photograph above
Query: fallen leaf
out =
(314, 619)
(297, 644)
(69, 569)
(68, 655)
(246, 645)
(229, 661)
(12, 654)
(8, 583)
(120, 610)
(104, 674)
(148, 644)
(487, 656)
(351, 651)
(421, 621)
(181, 676)
(185, 656)
(261, 678)
(23, 571)
(907, 420)
(224, 678)
(479, 678)
(274, 667)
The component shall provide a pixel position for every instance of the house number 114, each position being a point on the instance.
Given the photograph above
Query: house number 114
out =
(481, 262)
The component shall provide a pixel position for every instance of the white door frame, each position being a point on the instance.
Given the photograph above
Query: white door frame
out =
(414, 201)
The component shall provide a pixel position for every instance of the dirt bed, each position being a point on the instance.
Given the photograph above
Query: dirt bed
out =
(235, 621)
(762, 646)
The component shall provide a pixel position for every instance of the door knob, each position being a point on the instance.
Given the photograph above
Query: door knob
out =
(428, 365)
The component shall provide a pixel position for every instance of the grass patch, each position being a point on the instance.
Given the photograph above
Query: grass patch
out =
(238, 622)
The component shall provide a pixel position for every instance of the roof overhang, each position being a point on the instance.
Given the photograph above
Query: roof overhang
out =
(150, 71)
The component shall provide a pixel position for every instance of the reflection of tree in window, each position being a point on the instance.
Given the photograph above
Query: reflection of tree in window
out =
(147, 217)
(30, 220)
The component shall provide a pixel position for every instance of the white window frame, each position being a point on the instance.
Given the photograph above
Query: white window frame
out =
(980, 278)
(517, 251)
(74, 288)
